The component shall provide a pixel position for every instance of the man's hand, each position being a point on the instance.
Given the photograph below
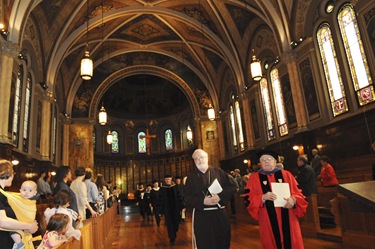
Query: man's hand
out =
(211, 200)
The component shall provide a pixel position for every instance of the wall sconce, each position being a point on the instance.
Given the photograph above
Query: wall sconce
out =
(255, 68)
(43, 85)
(102, 116)
(15, 161)
(109, 137)
(211, 112)
(248, 162)
(329, 7)
(189, 133)
(299, 148)
(4, 33)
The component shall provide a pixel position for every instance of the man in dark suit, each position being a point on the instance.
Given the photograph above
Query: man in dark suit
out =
(315, 162)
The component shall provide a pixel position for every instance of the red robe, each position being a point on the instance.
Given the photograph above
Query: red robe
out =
(259, 212)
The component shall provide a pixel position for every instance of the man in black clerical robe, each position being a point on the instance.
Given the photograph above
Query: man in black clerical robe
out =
(211, 226)
(170, 204)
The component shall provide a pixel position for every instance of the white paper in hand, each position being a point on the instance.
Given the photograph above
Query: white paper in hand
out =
(215, 187)
(281, 190)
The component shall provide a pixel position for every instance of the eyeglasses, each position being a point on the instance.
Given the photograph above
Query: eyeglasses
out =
(267, 159)
(200, 158)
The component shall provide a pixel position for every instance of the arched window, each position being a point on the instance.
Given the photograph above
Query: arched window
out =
(239, 126)
(355, 54)
(331, 70)
(115, 142)
(26, 121)
(142, 142)
(17, 105)
(279, 102)
(168, 140)
(54, 133)
(233, 129)
(266, 101)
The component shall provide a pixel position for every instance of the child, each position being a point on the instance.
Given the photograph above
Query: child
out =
(61, 206)
(56, 228)
(24, 206)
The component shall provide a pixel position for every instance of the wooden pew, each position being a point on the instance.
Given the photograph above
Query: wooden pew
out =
(94, 231)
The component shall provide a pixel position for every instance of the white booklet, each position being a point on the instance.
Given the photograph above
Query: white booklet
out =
(281, 190)
(215, 187)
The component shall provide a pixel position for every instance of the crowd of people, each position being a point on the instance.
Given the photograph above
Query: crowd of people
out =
(74, 201)
(206, 190)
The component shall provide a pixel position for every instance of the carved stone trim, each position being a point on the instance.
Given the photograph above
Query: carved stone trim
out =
(9, 49)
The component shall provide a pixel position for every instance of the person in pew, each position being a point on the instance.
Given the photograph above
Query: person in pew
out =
(8, 220)
(103, 193)
(62, 199)
(63, 176)
(327, 173)
(24, 206)
(306, 177)
(211, 226)
(278, 222)
(315, 162)
(92, 192)
(55, 234)
(80, 190)
(42, 184)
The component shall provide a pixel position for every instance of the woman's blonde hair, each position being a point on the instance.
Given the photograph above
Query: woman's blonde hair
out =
(6, 169)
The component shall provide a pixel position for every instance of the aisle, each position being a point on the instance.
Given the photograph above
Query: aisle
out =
(130, 232)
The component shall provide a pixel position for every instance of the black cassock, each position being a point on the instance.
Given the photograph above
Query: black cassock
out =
(170, 203)
(211, 223)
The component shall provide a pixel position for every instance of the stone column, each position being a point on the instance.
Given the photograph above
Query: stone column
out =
(247, 120)
(8, 52)
(297, 93)
(45, 144)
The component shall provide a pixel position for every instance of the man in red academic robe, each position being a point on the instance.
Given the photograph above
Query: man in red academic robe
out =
(278, 226)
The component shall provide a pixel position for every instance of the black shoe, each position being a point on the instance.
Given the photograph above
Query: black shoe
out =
(172, 241)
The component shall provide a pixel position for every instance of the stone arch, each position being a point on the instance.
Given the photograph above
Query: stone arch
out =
(144, 69)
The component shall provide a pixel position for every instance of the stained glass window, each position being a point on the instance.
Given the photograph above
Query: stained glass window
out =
(233, 128)
(141, 142)
(54, 134)
(355, 54)
(168, 140)
(115, 142)
(17, 106)
(279, 102)
(26, 120)
(239, 126)
(266, 101)
(331, 70)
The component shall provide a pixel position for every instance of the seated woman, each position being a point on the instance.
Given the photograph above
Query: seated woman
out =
(8, 219)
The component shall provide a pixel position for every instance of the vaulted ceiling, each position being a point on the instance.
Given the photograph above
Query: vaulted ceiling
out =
(185, 52)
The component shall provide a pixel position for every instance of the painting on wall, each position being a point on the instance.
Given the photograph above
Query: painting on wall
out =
(210, 135)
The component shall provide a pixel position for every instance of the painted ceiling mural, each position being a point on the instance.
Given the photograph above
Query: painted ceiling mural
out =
(198, 41)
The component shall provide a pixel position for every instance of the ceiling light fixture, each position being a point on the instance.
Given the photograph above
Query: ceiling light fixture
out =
(86, 62)
(255, 68)
(102, 116)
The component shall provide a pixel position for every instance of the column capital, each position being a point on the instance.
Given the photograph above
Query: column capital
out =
(9, 49)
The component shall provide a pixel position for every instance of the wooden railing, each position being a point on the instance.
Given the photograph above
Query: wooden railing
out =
(94, 231)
